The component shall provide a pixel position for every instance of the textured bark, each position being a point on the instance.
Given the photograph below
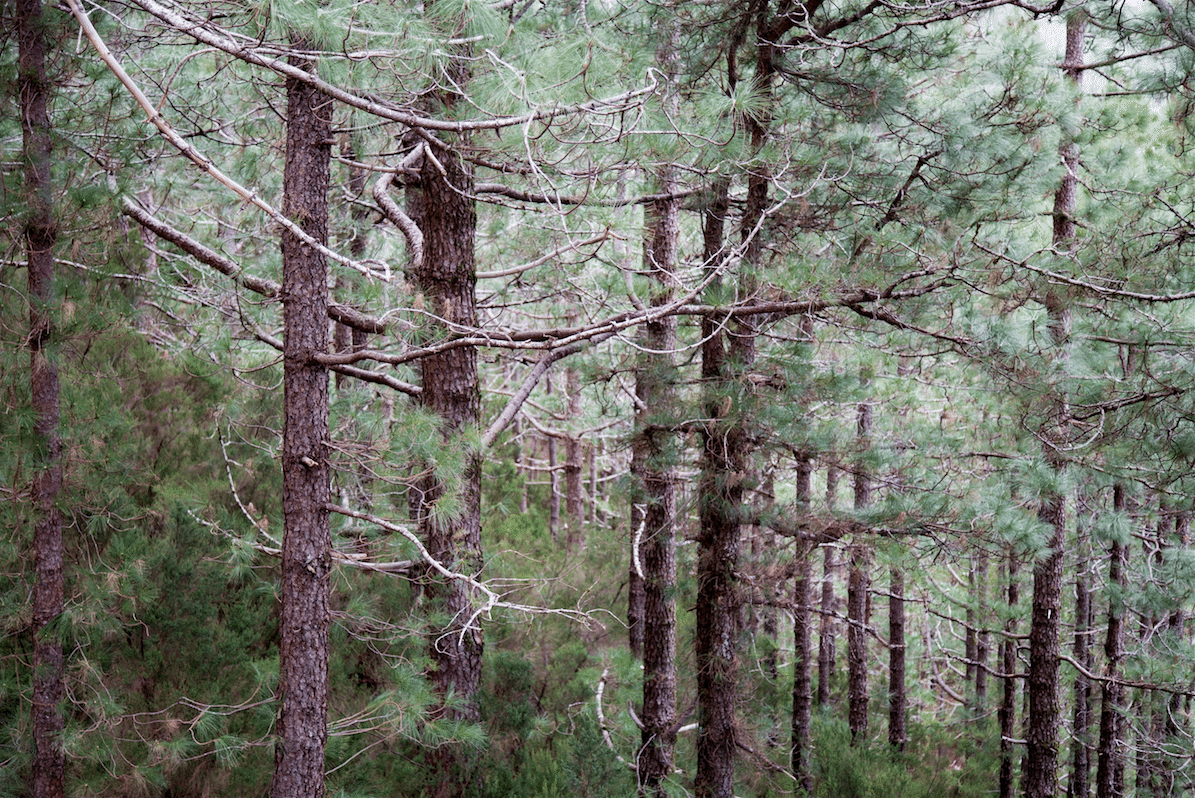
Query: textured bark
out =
(856, 644)
(1041, 760)
(724, 461)
(898, 734)
(41, 234)
(802, 645)
(447, 279)
(1109, 756)
(720, 494)
(651, 464)
(306, 543)
(858, 584)
(1007, 713)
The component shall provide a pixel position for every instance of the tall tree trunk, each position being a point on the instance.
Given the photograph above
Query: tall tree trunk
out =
(306, 543)
(802, 645)
(724, 461)
(858, 585)
(442, 204)
(41, 235)
(1109, 757)
(447, 278)
(653, 453)
(1041, 761)
(1007, 713)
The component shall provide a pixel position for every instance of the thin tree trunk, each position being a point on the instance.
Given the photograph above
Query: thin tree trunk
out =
(574, 485)
(1109, 756)
(858, 585)
(802, 646)
(1007, 714)
(554, 491)
(898, 735)
(982, 641)
(825, 635)
(48, 772)
(307, 543)
(1077, 784)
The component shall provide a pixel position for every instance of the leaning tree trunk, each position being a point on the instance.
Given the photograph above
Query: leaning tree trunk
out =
(41, 235)
(306, 543)
(1041, 760)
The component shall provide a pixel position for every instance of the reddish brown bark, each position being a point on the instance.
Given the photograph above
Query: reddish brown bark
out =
(442, 205)
(306, 544)
(651, 464)
(41, 235)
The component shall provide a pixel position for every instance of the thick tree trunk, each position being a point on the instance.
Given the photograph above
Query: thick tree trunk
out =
(306, 544)
(652, 456)
(724, 461)
(1109, 757)
(802, 643)
(1007, 714)
(41, 235)
(447, 279)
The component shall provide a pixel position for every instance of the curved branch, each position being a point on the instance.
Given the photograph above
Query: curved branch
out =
(414, 236)
(195, 156)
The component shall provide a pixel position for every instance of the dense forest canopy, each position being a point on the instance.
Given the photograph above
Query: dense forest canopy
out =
(546, 398)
